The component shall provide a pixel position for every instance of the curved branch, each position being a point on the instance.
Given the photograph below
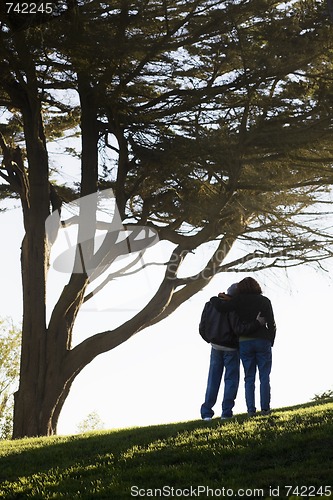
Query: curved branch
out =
(87, 350)
(117, 274)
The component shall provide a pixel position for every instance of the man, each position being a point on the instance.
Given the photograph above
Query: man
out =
(222, 330)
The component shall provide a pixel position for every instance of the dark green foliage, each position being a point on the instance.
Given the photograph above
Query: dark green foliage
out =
(214, 116)
(10, 344)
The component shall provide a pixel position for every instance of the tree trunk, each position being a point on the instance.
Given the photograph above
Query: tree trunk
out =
(44, 381)
(27, 413)
(34, 262)
(42, 394)
(35, 199)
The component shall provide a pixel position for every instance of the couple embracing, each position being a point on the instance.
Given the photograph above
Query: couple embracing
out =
(239, 325)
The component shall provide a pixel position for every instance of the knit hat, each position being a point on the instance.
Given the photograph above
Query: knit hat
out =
(233, 289)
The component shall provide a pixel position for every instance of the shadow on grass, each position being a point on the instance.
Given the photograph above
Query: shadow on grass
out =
(291, 445)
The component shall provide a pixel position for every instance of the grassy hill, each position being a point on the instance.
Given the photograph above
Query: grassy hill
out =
(287, 454)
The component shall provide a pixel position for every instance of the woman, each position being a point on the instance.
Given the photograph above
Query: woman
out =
(255, 350)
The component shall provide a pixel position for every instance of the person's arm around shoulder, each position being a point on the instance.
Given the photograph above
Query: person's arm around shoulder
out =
(223, 303)
(245, 329)
(270, 321)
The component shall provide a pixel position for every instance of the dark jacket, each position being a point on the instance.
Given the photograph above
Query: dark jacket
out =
(247, 306)
(224, 328)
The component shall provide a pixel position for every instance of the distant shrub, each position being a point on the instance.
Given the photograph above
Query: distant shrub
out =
(92, 422)
(323, 396)
(10, 345)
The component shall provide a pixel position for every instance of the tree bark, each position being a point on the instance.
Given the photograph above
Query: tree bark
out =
(34, 255)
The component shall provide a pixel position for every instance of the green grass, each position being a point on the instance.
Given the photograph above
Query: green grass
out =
(247, 457)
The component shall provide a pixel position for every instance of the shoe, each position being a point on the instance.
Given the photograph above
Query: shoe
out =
(207, 419)
(265, 412)
(251, 413)
(226, 418)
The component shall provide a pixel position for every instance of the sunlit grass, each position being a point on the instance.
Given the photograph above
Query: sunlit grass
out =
(290, 447)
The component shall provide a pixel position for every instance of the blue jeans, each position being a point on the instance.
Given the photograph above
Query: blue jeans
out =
(220, 360)
(256, 353)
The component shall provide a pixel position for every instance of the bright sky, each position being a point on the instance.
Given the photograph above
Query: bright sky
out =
(160, 375)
